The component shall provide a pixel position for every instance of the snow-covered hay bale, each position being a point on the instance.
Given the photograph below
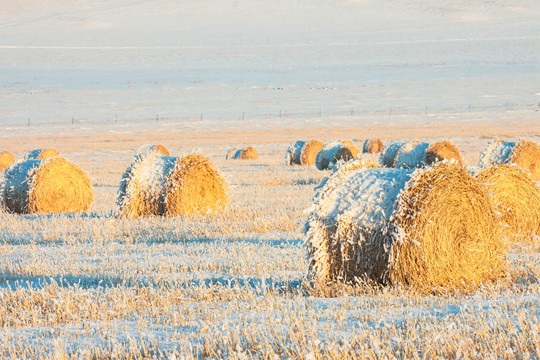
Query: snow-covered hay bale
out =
(160, 149)
(310, 151)
(442, 150)
(53, 185)
(6, 158)
(231, 153)
(294, 151)
(388, 154)
(248, 153)
(41, 154)
(433, 229)
(164, 185)
(352, 147)
(523, 153)
(516, 199)
(411, 155)
(372, 146)
(332, 152)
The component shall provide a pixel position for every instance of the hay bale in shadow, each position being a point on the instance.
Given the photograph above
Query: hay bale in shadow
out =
(389, 152)
(293, 153)
(334, 151)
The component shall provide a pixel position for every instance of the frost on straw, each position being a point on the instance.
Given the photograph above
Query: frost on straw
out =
(41, 154)
(292, 155)
(411, 155)
(432, 229)
(53, 185)
(523, 153)
(334, 151)
(388, 154)
(516, 199)
(372, 146)
(160, 149)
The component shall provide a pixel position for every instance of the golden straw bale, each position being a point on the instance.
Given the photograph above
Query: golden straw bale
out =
(41, 154)
(524, 153)
(372, 146)
(432, 229)
(516, 199)
(53, 185)
(163, 185)
(389, 152)
(411, 155)
(294, 151)
(6, 158)
(231, 153)
(248, 153)
(159, 149)
(352, 147)
(310, 151)
(442, 150)
(334, 151)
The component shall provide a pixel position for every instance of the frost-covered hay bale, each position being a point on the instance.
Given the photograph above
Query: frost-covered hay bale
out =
(310, 151)
(231, 153)
(160, 149)
(352, 147)
(6, 158)
(372, 146)
(294, 151)
(442, 150)
(411, 155)
(41, 154)
(332, 152)
(53, 185)
(248, 153)
(524, 153)
(516, 199)
(388, 154)
(163, 185)
(432, 229)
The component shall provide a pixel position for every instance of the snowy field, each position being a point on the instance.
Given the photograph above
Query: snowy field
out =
(96, 79)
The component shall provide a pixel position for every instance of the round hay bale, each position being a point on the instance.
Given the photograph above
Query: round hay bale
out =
(516, 199)
(432, 229)
(53, 185)
(294, 151)
(160, 149)
(411, 155)
(231, 153)
(310, 151)
(524, 153)
(163, 185)
(372, 146)
(442, 150)
(332, 152)
(6, 158)
(248, 153)
(388, 154)
(41, 154)
(352, 147)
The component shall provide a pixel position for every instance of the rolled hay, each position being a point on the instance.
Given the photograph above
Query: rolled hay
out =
(294, 152)
(6, 159)
(372, 146)
(53, 185)
(334, 151)
(163, 185)
(231, 153)
(248, 153)
(411, 155)
(432, 229)
(41, 154)
(310, 151)
(523, 153)
(516, 199)
(442, 150)
(352, 147)
(389, 152)
(160, 149)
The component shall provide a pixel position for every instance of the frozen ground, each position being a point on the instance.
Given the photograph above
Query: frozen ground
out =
(222, 64)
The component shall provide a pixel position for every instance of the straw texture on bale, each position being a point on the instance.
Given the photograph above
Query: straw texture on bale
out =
(41, 154)
(516, 199)
(53, 185)
(524, 153)
(332, 152)
(352, 147)
(388, 154)
(160, 149)
(231, 153)
(248, 153)
(294, 151)
(411, 155)
(163, 185)
(372, 146)
(432, 229)
(310, 151)
(6, 158)
(442, 150)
